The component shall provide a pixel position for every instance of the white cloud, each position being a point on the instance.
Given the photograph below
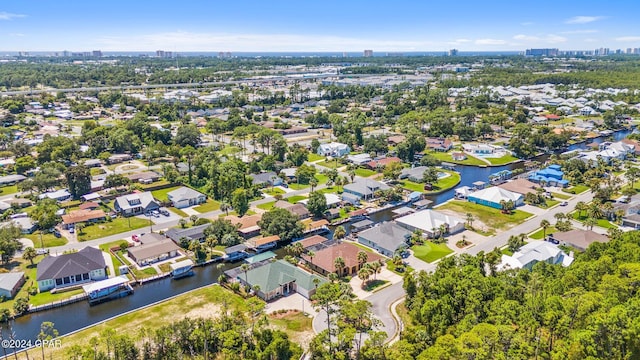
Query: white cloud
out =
(459, 42)
(9, 16)
(589, 31)
(628, 38)
(583, 19)
(191, 41)
(490, 42)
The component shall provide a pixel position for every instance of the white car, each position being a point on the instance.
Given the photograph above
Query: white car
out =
(564, 203)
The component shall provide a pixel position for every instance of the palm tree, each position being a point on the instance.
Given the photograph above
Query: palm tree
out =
(352, 174)
(614, 233)
(245, 268)
(589, 223)
(470, 219)
(339, 264)
(311, 254)
(29, 254)
(503, 206)
(376, 267)
(594, 210)
(313, 183)
(182, 223)
(364, 273)
(581, 206)
(193, 219)
(544, 224)
(362, 258)
(339, 232)
(559, 216)
(224, 206)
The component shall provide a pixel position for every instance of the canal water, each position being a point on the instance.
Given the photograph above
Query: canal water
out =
(76, 316)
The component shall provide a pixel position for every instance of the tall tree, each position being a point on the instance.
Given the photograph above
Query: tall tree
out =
(240, 201)
(78, 180)
(317, 203)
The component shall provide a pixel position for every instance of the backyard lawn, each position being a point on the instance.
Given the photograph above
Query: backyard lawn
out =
(314, 157)
(502, 160)
(115, 226)
(178, 212)
(48, 240)
(11, 189)
(210, 205)
(578, 189)
(446, 157)
(266, 206)
(448, 182)
(162, 193)
(603, 223)
(430, 252)
(493, 218)
(296, 186)
(362, 172)
(538, 235)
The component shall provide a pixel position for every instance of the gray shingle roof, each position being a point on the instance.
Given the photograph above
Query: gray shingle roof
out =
(388, 236)
(83, 261)
(196, 232)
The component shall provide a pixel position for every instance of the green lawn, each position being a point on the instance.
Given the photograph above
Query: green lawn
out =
(502, 160)
(11, 189)
(201, 302)
(266, 206)
(314, 157)
(448, 182)
(411, 186)
(578, 189)
(106, 246)
(116, 226)
(47, 297)
(178, 212)
(373, 284)
(506, 251)
(162, 193)
(561, 196)
(548, 204)
(96, 171)
(48, 240)
(294, 199)
(446, 157)
(322, 178)
(362, 172)
(603, 223)
(30, 277)
(293, 322)
(331, 189)
(273, 191)
(210, 205)
(229, 150)
(330, 164)
(491, 217)
(430, 252)
(296, 186)
(538, 235)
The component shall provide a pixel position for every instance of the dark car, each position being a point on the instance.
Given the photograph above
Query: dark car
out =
(57, 234)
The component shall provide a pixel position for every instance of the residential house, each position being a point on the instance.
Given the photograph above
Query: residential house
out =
(413, 174)
(296, 209)
(58, 195)
(333, 200)
(264, 243)
(458, 156)
(439, 144)
(359, 159)
(520, 186)
(431, 223)
(534, 252)
(192, 233)
(185, 197)
(153, 249)
(82, 216)
(493, 196)
(324, 260)
(266, 179)
(396, 139)
(90, 163)
(364, 189)
(135, 204)
(280, 278)
(386, 238)
(480, 149)
(235, 252)
(247, 225)
(10, 284)
(118, 158)
(24, 222)
(578, 238)
(551, 176)
(333, 149)
(65, 270)
(145, 177)
(380, 163)
(11, 179)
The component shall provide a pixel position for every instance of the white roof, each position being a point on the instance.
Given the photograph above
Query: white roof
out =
(535, 251)
(99, 285)
(496, 194)
(331, 199)
(427, 220)
(181, 264)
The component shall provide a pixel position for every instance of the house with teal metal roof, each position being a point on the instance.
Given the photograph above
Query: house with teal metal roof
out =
(280, 278)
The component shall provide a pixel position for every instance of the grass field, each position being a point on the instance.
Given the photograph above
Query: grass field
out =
(491, 217)
(430, 252)
(539, 235)
(314, 157)
(273, 191)
(448, 182)
(604, 223)
(294, 199)
(502, 160)
(446, 157)
(203, 302)
(229, 150)
(210, 205)
(578, 189)
(411, 186)
(115, 226)
(561, 196)
(11, 189)
(162, 193)
(266, 206)
(330, 164)
(362, 172)
(48, 240)
(178, 212)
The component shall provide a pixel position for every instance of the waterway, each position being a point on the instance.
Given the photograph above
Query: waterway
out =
(78, 315)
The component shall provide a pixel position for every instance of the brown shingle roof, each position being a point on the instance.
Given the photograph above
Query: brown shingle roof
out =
(78, 216)
(520, 186)
(313, 240)
(348, 252)
(580, 239)
(245, 221)
(266, 240)
(153, 249)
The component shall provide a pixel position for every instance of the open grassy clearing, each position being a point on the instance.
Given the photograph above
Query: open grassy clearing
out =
(115, 226)
(209, 205)
(430, 252)
(491, 217)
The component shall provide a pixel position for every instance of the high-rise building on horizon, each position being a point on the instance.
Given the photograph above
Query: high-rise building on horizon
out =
(542, 52)
(453, 52)
(368, 53)
(96, 53)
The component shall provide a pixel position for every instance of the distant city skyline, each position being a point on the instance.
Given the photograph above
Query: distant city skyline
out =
(330, 26)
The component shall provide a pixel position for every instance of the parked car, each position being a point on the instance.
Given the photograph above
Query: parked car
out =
(72, 230)
(135, 238)
(164, 212)
(564, 203)
(56, 233)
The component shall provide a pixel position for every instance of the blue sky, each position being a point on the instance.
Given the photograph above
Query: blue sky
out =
(303, 25)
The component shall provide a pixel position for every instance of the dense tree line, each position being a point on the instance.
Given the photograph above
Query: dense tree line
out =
(465, 309)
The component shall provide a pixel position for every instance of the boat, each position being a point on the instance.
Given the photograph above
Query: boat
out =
(182, 269)
(108, 289)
